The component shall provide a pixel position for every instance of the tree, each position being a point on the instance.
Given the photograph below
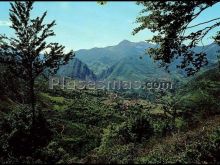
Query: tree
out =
(169, 21)
(28, 54)
(101, 2)
(217, 40)
(219, 62)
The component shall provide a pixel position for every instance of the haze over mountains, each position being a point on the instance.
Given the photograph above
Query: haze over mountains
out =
(125, 61)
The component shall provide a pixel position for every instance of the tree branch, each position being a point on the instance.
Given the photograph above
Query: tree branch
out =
(203, 23)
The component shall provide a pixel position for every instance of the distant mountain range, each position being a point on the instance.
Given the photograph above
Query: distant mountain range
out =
(77, 70)
(125, 61)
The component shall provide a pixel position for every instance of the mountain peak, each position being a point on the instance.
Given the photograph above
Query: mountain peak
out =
(127, 42)
(124, 42)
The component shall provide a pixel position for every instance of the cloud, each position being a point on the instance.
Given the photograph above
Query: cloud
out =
(5, 23)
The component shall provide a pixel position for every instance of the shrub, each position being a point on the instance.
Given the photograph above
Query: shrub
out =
(19, 139)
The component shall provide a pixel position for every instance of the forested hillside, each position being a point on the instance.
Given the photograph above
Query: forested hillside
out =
(173, 116)
(92, 127)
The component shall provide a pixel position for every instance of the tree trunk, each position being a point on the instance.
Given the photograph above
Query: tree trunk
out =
(174, 117)
(32, 99)
(219, 64)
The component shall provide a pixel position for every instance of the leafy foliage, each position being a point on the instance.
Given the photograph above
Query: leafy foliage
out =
(22, 54)
(19, 139)
(202, 147)
(82, 126)
(170, 22)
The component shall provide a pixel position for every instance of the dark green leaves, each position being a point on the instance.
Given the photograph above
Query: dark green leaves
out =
(169, 21)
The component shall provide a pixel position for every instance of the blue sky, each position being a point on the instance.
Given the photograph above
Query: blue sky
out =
(84, 25)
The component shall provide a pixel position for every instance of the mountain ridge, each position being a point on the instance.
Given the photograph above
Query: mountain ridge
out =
(76, 69)
(128, 61)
